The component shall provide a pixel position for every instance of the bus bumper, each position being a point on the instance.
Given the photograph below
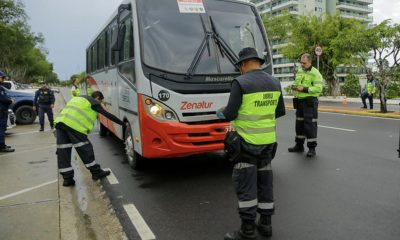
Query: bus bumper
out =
(175, 139)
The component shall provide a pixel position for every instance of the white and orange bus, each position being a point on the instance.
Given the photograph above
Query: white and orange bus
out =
(165, 67)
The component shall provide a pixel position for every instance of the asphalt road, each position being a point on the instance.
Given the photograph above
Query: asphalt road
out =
(350, 190)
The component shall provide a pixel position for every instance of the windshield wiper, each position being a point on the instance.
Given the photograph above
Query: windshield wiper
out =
(224, 48)
(204, 43)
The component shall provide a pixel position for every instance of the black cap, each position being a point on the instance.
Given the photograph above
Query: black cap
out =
(2, 74)
(249, 53)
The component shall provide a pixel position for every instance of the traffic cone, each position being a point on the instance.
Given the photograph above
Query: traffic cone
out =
(344, 101)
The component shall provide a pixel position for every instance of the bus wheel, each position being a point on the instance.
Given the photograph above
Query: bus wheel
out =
(103, 130)
(134, 159)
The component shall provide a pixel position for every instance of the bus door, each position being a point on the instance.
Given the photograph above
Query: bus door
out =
(126, 95)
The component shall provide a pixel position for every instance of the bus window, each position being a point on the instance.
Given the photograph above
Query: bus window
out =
(128, 40)
(106, 48)
(102, 52)
(94, 57)
(88, 61)
(113, 35)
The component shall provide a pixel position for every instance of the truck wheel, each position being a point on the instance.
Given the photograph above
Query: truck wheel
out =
(134, 159)
(103, 130)
(25, 114)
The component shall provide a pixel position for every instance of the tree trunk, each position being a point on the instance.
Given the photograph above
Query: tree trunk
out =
(382, 97)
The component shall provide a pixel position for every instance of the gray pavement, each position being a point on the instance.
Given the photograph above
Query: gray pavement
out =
(33, 202)
(350, 191)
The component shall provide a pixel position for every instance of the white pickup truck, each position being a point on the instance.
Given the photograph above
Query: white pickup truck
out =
(13, 86)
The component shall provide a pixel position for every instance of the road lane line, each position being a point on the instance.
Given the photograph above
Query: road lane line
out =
(341, 129)
(352, 115)
(32, 150)
(142, 228)
(32, 132)
(111, 178)
(27, 190)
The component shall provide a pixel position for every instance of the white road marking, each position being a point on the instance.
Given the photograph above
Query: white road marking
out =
(341, 129)
(144, 231)
(352, 115)
(361, 116)
(32, 132)
(32, 150)
(111, 178)
(27, 190)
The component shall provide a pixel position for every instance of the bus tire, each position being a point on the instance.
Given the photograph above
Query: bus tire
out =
(103, 130)
(134, 159)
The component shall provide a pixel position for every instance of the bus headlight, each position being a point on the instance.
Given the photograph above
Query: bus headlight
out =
(158, 110)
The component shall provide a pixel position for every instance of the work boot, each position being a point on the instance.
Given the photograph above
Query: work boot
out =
(247, 232)
(311, 152)
(41, 128)
(68, 182)
(297, 148)
(264, 226)
(7, 149)
(100, 174)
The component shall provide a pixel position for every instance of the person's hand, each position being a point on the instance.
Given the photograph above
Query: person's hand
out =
(34, 108)
(300, 88)
(103, 105)
(52, 105)
(369, 94)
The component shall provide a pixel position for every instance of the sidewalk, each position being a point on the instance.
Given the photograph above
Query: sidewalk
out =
(33, 202)
(352, 106)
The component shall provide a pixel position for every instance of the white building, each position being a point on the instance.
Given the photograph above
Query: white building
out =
(283, 68)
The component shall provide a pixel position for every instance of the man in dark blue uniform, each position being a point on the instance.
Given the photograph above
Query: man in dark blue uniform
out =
(5, 103)
(44, 98)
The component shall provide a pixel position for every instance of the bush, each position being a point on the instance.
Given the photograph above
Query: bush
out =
(351, 87)
(393, 90)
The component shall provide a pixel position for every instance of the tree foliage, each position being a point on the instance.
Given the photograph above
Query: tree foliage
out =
(351, 87)
(21, 57)
(339, 38)
(384, 41)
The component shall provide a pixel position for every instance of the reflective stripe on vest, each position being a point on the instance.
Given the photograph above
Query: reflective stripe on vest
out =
(256, 119)
(78, 115)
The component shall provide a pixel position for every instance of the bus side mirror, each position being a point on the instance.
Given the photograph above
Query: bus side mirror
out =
(118, 41)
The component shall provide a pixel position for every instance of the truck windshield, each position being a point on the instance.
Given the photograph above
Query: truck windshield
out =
(171, 39)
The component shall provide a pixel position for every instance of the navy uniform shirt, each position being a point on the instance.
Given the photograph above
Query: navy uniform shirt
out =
(5, 101)
(47, 91)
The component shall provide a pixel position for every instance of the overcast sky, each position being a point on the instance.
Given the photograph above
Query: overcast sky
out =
(68, 26)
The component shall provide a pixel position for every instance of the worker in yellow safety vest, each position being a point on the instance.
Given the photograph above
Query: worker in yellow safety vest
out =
(75, 89)
(368, 92)
(307, 87)
(254, 104)
(73, 125)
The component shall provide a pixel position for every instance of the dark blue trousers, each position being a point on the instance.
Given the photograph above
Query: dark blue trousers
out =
(364, 96)
(3, 127)
(44, 108)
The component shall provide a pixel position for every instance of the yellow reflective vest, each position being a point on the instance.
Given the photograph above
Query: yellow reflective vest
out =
(310, 79)
(78, 115)
(77, 91)
(256, 122)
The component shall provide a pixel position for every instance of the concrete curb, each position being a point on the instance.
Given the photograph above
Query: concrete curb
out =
(85, 209)
(368, 113)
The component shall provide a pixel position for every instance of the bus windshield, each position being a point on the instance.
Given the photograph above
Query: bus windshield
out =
(171, 39)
